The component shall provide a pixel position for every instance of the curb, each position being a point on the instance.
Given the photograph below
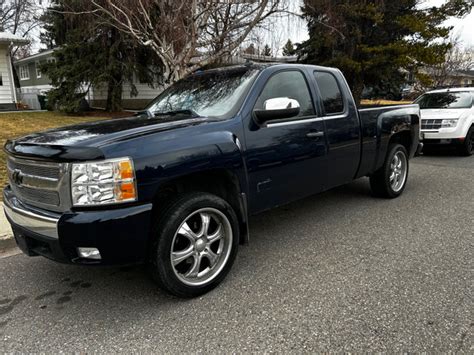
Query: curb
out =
(8, 247)
(5, 229)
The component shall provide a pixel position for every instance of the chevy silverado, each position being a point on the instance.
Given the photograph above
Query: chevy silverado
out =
(174, 186)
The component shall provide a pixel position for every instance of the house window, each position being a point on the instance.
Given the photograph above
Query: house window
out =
(38, 70)
(24, 72)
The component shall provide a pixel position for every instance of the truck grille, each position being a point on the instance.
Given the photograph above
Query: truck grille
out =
(35, 182)
(34, 170)
(431, 124)
(34, 195)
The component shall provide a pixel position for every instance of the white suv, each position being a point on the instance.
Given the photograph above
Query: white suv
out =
(447, 117)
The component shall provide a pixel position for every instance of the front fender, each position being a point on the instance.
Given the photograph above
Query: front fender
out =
(181, 157)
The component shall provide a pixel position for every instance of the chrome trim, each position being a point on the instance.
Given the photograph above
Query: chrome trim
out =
(33, 162)
(335, 117)
(60, 185)
(401, 106)
(33, 181)
(238, 144)
(295, 122)
(32, 221)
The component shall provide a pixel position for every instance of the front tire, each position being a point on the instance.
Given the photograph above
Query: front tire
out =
(390, 180)
(195, 244)
(467, 149)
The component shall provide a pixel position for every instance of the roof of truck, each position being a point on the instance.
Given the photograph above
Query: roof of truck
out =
(255, 66)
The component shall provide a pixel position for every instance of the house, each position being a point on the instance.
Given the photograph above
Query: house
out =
(8, 95)
(29, 74)
(32, 81)
(461, 78)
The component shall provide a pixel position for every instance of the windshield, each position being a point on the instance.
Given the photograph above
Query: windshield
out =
(211, 94)
(445, 100)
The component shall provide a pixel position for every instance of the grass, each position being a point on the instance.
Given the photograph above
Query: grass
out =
(383, 102)
(17, 124)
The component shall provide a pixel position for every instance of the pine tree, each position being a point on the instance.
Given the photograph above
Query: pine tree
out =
(90, 53)
(289, 49)
(267, 51)
(373, 42)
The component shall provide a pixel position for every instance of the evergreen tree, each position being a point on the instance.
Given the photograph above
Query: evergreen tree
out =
(289, 49)
(267, 51)
(90, 53)
(371, 42)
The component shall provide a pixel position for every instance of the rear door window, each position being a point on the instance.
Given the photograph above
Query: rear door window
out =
(331, 94)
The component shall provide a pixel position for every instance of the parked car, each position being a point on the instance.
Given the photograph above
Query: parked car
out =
(175, 185)
(447, 118)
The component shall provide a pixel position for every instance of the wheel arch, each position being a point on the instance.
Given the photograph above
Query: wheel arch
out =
(223, 183)
(403, 138)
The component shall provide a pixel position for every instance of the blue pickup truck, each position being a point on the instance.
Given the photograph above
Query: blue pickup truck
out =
(174, 186)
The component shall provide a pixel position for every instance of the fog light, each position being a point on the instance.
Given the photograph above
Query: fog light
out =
(89, 253)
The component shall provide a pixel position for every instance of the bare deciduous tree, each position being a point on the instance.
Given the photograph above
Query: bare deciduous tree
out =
(458, 60)
(187, 34)
(19, 17)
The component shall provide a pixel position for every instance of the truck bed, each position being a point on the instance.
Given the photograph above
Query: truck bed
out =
(377, 124)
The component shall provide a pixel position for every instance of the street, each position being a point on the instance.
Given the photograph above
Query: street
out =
(342, 271)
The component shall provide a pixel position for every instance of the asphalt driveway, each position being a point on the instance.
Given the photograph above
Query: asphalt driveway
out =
(339, 271)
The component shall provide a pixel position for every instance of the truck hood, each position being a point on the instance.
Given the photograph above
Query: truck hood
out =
(446, 114)
(83, 141)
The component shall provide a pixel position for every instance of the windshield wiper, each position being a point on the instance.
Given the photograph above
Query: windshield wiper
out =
(192, 113)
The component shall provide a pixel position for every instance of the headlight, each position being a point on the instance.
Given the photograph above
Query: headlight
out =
(103, 182)
(449, 123)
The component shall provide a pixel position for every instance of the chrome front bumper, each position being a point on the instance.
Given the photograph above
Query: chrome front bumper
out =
(29, 219)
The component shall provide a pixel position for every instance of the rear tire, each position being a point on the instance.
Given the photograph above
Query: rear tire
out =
(467, 149)
(195, 244)
(390, 180)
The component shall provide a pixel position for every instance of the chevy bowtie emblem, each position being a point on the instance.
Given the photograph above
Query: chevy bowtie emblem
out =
(17, 177)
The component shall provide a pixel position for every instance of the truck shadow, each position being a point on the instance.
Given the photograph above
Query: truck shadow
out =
(97, 293)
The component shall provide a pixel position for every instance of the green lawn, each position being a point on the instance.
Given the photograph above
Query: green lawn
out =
(18, 124)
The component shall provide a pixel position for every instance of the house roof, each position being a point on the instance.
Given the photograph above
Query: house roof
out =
(269, 59)
(11, 38)
(36, 56)
(469, 73)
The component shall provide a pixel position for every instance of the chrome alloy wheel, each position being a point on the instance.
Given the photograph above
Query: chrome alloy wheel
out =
(398, 171)
(201, 247)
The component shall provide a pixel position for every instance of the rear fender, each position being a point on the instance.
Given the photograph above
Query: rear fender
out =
(393, 124)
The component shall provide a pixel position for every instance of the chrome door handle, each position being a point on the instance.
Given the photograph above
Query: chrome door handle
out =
(315, 135)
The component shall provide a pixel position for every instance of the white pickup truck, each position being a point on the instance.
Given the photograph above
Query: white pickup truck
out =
(447, 117)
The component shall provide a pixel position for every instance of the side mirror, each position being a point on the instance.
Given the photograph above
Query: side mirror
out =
(277, 109)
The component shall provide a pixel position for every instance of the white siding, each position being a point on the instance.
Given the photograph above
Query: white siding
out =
(145, 92)
(37, 89)
(6, 96)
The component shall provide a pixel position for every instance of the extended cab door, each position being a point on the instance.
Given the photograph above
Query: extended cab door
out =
(342, 127)
(285, 158)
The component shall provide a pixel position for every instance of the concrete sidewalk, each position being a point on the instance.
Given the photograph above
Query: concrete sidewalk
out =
(7, 242)
(5, 230)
